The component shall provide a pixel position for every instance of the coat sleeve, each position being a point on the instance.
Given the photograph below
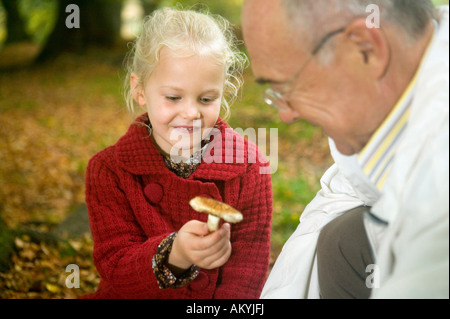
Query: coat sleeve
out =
(123, 252)
(243, 276)
(294, 272)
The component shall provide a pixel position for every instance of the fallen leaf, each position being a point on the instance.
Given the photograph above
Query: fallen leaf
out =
(52, 288)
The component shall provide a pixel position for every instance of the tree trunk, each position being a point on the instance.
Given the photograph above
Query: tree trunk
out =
(14, 23)
(6, 245)
(99, 26)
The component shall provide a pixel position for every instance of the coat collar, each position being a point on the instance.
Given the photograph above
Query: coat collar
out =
(137, 153)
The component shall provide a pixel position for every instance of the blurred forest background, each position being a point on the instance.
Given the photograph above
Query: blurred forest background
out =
(61, 102)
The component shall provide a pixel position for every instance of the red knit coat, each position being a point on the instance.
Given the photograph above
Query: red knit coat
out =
(134, 201)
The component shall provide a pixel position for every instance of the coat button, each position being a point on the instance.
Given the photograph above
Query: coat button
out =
(200, 282)
(154, 193)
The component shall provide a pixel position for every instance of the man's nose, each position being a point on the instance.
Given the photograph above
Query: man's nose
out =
(289, 116)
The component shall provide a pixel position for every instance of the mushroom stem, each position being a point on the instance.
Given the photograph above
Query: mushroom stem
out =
(213, 223)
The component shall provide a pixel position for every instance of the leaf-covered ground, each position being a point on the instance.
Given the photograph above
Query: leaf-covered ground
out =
(40, 270)
(55, 117)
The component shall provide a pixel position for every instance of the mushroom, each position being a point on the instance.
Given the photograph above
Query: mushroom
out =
(215, 210)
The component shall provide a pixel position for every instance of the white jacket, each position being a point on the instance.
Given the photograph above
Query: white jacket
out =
(412, 252)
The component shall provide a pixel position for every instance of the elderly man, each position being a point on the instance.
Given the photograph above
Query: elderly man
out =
(379, 227)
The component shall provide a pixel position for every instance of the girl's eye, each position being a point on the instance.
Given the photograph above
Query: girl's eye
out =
(173, 98)
(207, 100)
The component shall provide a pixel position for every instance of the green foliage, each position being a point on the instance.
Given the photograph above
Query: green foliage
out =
(40, 17)
(291, 195)
(440, 2)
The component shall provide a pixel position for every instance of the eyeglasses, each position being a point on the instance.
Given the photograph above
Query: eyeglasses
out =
(277, 99)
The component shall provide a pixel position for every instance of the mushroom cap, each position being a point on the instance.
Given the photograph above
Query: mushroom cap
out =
(216, 208)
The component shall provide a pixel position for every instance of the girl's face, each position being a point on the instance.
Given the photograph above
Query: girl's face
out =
(182, 97)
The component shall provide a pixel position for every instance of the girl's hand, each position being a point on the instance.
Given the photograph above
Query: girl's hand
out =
(194, 245)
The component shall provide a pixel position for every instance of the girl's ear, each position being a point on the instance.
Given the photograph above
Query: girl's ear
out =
(137, 90)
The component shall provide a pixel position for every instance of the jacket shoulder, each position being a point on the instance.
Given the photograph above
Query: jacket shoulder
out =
(105, 158)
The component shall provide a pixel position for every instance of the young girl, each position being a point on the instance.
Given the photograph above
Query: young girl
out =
(148, 241)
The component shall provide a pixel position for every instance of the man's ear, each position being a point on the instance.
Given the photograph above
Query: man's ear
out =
(137, 90)
(370, 46)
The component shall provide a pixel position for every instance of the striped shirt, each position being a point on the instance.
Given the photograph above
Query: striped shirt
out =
(377, 156)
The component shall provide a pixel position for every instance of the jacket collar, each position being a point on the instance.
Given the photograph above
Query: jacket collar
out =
(137, 154)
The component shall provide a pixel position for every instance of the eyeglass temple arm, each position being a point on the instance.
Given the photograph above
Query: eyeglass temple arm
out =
(326, 38)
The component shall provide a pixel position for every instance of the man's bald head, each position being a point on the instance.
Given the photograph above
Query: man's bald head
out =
(268, 35)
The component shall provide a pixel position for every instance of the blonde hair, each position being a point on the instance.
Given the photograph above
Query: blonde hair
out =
(186, 31)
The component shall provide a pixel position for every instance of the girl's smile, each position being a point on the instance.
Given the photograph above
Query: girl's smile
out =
(187, 129)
